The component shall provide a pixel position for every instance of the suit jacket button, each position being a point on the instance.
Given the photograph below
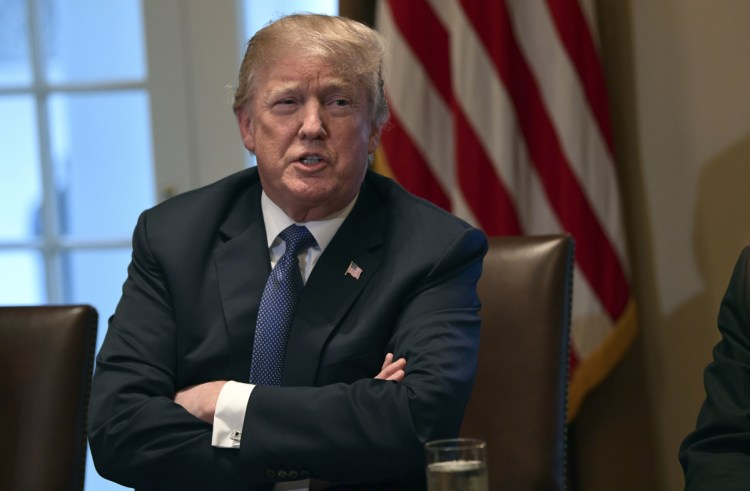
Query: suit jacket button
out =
(293, 475)
(304, 475)
(270, 474)
(281, 474)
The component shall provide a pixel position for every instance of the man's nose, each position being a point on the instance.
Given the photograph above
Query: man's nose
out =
(313, 121)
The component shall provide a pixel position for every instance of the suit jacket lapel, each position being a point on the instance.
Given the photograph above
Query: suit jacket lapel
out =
(329, 292)
(242, 266)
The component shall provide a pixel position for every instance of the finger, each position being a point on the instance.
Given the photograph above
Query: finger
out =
(399, 364)
(392, 368)
(398, 376)
(387, 361)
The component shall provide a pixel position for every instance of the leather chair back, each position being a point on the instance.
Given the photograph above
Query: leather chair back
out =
(46, 362)
(518, 405)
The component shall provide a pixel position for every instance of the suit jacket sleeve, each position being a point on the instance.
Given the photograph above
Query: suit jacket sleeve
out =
(717, 454)
(138, 436)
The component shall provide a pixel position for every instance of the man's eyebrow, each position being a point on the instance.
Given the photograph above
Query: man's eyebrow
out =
(339, 84)
(282, 89)
(329, 84)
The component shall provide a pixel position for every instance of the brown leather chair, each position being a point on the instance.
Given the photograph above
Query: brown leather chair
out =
(46, 363)
(519, 401)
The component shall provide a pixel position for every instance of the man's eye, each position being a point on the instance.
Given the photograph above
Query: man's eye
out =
(341, 102)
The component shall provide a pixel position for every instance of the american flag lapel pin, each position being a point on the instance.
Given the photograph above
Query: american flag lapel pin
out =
(353, 270)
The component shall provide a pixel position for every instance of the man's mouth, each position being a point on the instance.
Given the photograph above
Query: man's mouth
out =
(311, 159)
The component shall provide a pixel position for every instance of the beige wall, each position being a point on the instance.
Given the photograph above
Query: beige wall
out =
(679, 78)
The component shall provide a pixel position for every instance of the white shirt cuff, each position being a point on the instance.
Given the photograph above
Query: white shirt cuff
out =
(230, 414)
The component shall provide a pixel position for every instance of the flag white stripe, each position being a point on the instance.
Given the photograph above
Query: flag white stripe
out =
(588, 7)
(499, 132)
(565, 101)
(423, 113)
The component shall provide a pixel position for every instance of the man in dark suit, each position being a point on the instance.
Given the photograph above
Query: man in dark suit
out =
(180, 398)
(716, 456)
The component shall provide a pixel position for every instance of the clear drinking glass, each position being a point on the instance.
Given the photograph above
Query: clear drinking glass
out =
(456, 464)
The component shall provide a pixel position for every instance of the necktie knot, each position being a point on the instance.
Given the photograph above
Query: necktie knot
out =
(297, 238)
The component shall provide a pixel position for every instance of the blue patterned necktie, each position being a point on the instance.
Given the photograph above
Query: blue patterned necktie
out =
(277, 307)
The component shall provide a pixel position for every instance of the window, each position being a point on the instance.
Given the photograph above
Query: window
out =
(75, 160)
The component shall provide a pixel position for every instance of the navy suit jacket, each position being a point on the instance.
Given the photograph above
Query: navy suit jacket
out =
(716, 456)
(187, 315)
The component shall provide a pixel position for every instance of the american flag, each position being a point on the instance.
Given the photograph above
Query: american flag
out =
(353, 270)
(500, 115)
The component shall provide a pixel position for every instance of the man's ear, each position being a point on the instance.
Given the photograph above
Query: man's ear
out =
(374, 139)
(246, 128)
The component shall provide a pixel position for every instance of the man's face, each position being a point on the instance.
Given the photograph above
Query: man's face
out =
(310, 130)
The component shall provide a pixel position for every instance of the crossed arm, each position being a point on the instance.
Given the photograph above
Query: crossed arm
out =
(200, 400)
(335, 431)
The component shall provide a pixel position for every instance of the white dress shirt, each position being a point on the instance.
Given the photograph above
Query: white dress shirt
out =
(233, 398)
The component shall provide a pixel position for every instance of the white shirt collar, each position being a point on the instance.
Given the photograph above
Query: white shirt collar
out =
(323, 230)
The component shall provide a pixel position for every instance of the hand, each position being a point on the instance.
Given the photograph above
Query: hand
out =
(200, 400)
(392, 370)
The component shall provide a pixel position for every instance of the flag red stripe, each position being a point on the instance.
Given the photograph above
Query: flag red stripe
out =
(428, 39)
(483, 190)
(596, 257)
(575, 36)
(413, 172)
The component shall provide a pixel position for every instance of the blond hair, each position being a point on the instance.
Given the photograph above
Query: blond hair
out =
(350, 47)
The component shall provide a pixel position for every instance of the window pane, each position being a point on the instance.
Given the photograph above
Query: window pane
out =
(21, 278)
(95, 277)
(258, 14)
(94, 482)
(15, 62)
(20, 181)
(91, 41)
(101, 152)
